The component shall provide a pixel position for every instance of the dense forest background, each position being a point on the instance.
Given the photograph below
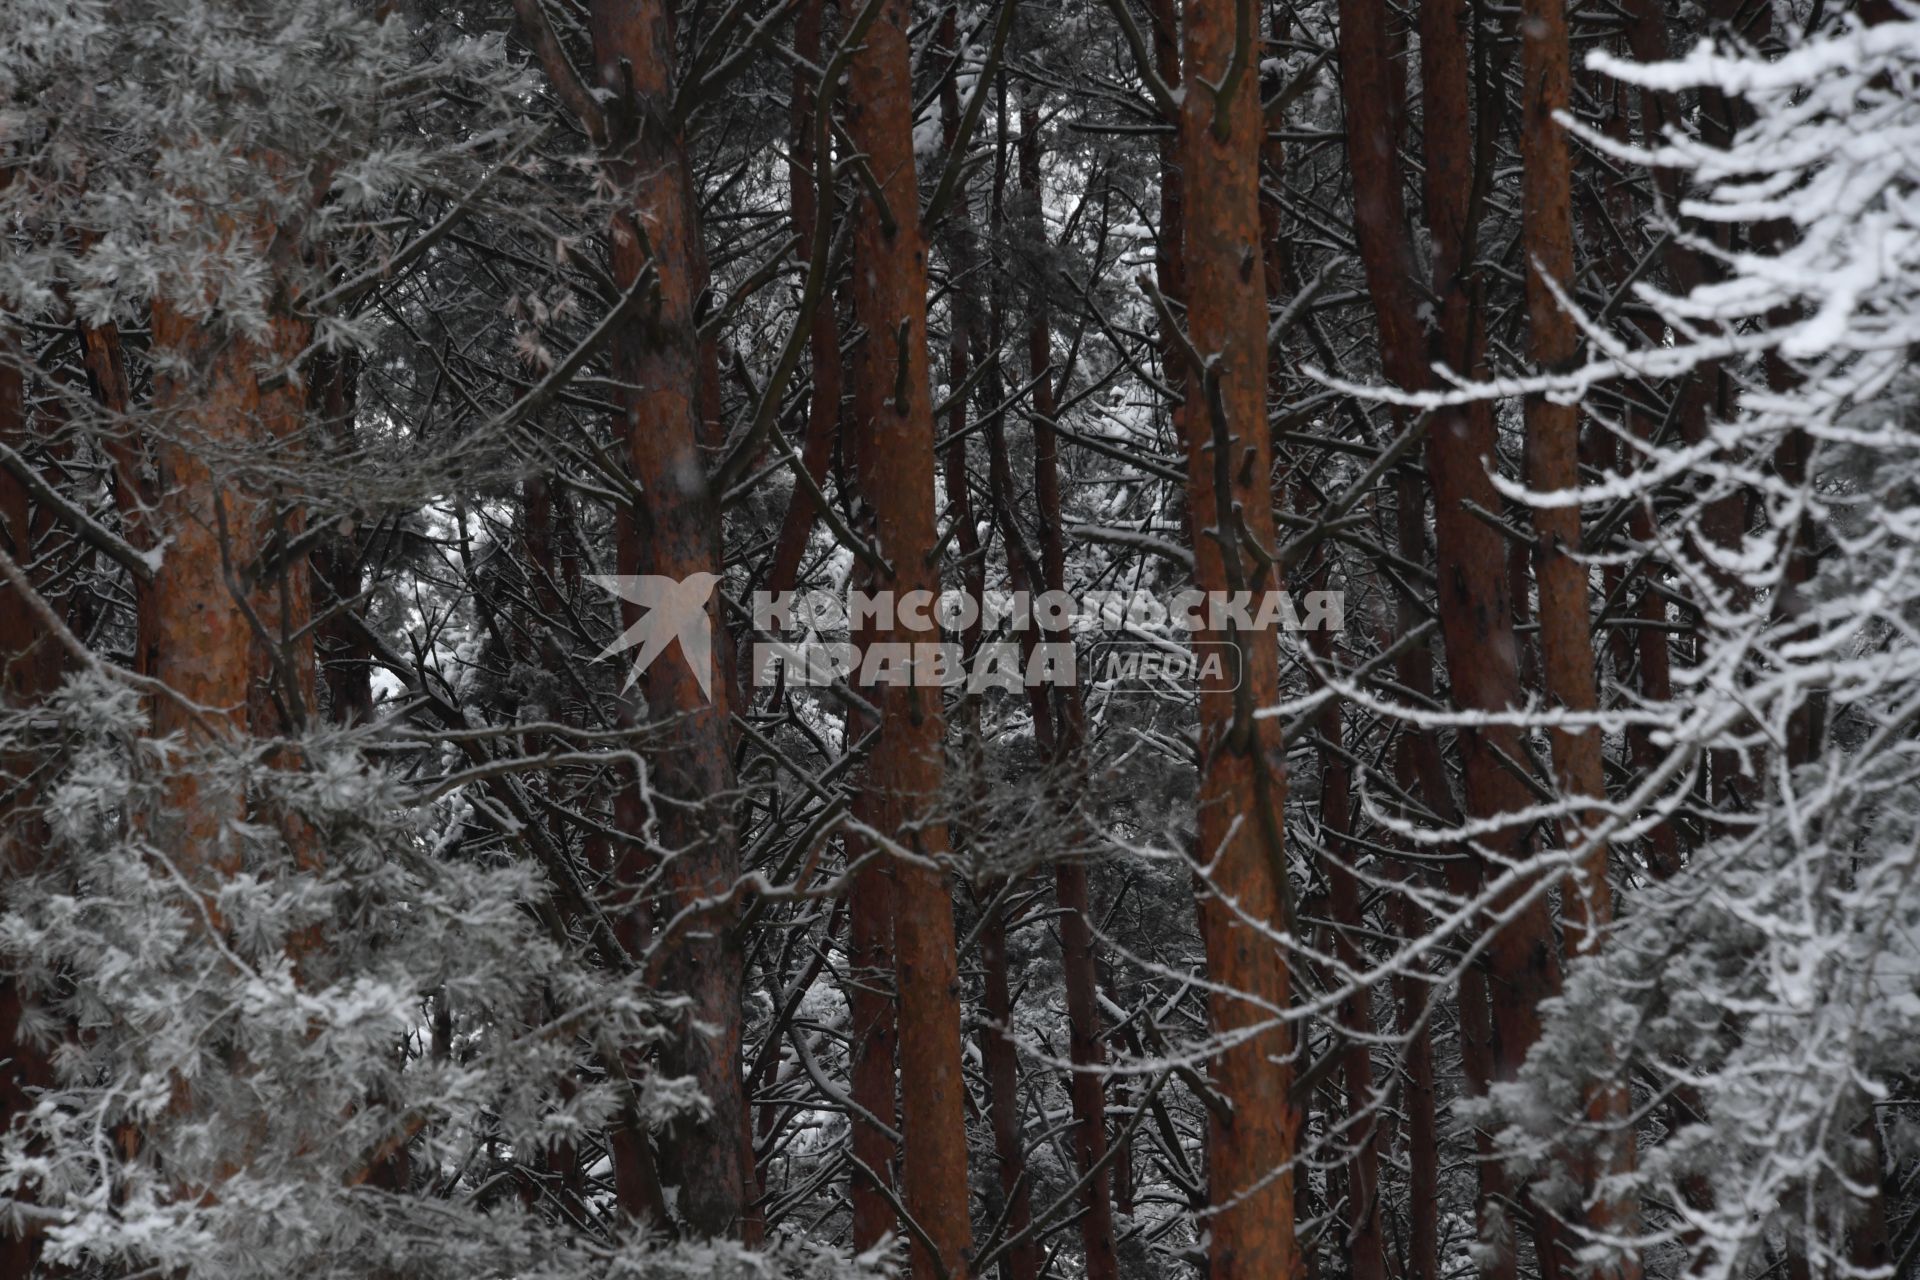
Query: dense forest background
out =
(1553, 916)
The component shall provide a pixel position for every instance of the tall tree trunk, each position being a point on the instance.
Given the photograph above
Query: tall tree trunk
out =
(1476, 611)
(1242, 760)
(1085, 1043)
(1553, 450)
(216, 639)
(1170, 275)
(1553, 465)
(906, 769)
(673, 531)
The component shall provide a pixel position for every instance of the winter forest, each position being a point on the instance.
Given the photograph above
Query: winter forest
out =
(1247, 639)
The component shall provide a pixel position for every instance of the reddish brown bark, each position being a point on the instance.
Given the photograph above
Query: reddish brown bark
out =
(1553, 445)
(223, 625)
(231, 672)
(1240, 840)
(672, 530)
(905, 770)
(1553, 464)
(1476, 610)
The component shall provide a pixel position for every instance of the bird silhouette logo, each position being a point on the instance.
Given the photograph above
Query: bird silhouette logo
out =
(675, 609)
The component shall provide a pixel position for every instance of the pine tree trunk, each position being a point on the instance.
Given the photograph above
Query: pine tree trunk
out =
(673, 531)
(1553, 449)
(906, 767)
(1476, 610)
(1553, 464)
(232, 672)
(1242, 761)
